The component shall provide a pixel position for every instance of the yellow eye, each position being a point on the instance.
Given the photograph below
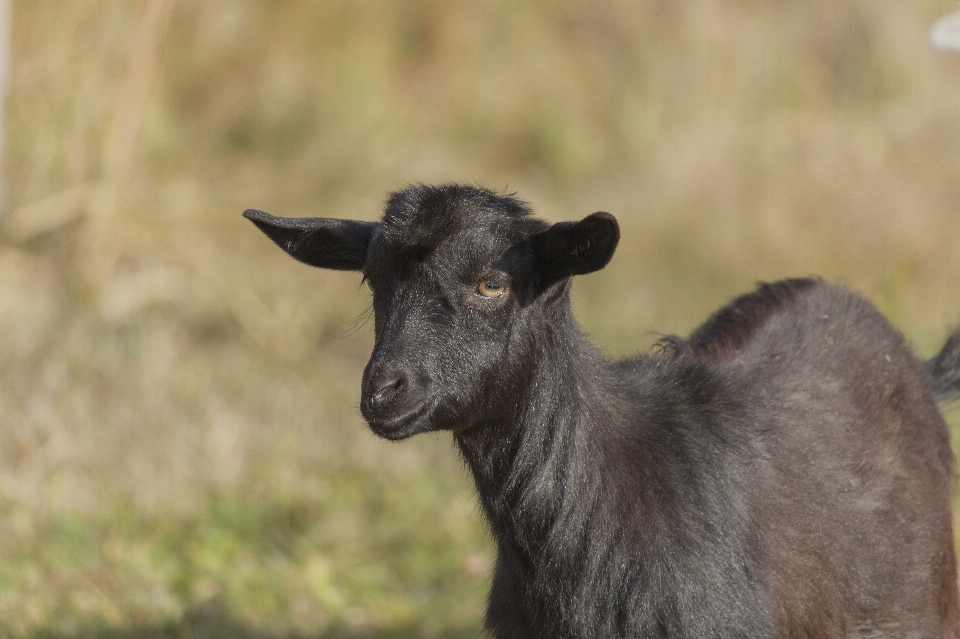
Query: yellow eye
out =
(490, 289)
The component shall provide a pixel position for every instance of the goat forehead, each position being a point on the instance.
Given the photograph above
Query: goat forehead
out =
(455, 230)
(461, 257)
(476, 247)
(428, 215)
(467, 248)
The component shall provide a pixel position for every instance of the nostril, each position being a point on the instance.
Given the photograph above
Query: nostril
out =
(389, 385)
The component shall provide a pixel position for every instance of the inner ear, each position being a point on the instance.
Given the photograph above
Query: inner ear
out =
(573, 248)
(318, 241)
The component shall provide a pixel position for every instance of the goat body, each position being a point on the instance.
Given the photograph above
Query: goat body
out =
(784, 472)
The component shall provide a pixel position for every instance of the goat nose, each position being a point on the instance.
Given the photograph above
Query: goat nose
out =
(387, 385)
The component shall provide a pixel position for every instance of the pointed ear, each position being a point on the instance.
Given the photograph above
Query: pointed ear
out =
(574, 248)
(318, 241)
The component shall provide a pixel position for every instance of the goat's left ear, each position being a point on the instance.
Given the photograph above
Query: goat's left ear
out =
(318, 241)
(574, 248)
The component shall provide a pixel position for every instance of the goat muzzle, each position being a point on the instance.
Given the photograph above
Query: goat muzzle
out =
(394, 400)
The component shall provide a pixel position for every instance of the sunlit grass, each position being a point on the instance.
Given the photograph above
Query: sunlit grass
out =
(180, 451)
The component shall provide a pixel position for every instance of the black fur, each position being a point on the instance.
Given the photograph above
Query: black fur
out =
(943, 371)
(784, 472)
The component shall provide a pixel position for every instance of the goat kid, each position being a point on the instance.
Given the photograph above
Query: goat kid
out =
(783, 472)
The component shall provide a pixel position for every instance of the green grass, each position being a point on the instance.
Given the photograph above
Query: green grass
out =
(357, 559)
(181, 453)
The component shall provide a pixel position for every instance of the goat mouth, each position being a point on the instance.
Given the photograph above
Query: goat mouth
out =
(416, 420)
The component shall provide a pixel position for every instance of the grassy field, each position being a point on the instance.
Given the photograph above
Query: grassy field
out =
(180, 450)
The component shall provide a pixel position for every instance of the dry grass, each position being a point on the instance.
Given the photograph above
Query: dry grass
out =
(180, 452)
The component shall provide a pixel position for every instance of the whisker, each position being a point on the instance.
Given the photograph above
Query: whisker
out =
(358, 322)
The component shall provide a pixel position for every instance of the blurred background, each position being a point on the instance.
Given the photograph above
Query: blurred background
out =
(181, 453)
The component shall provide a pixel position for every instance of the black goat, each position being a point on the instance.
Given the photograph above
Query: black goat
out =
(784, 472)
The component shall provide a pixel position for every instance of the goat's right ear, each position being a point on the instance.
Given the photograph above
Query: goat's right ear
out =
(318, 241)
(574, 248)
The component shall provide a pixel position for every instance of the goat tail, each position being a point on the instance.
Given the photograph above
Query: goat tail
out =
(943, 370)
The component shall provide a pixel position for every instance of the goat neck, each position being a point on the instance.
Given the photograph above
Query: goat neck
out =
(524, 466)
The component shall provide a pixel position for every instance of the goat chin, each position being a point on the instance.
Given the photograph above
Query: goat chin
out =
(404, 426)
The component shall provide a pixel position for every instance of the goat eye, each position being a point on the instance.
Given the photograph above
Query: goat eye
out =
(490, 289)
